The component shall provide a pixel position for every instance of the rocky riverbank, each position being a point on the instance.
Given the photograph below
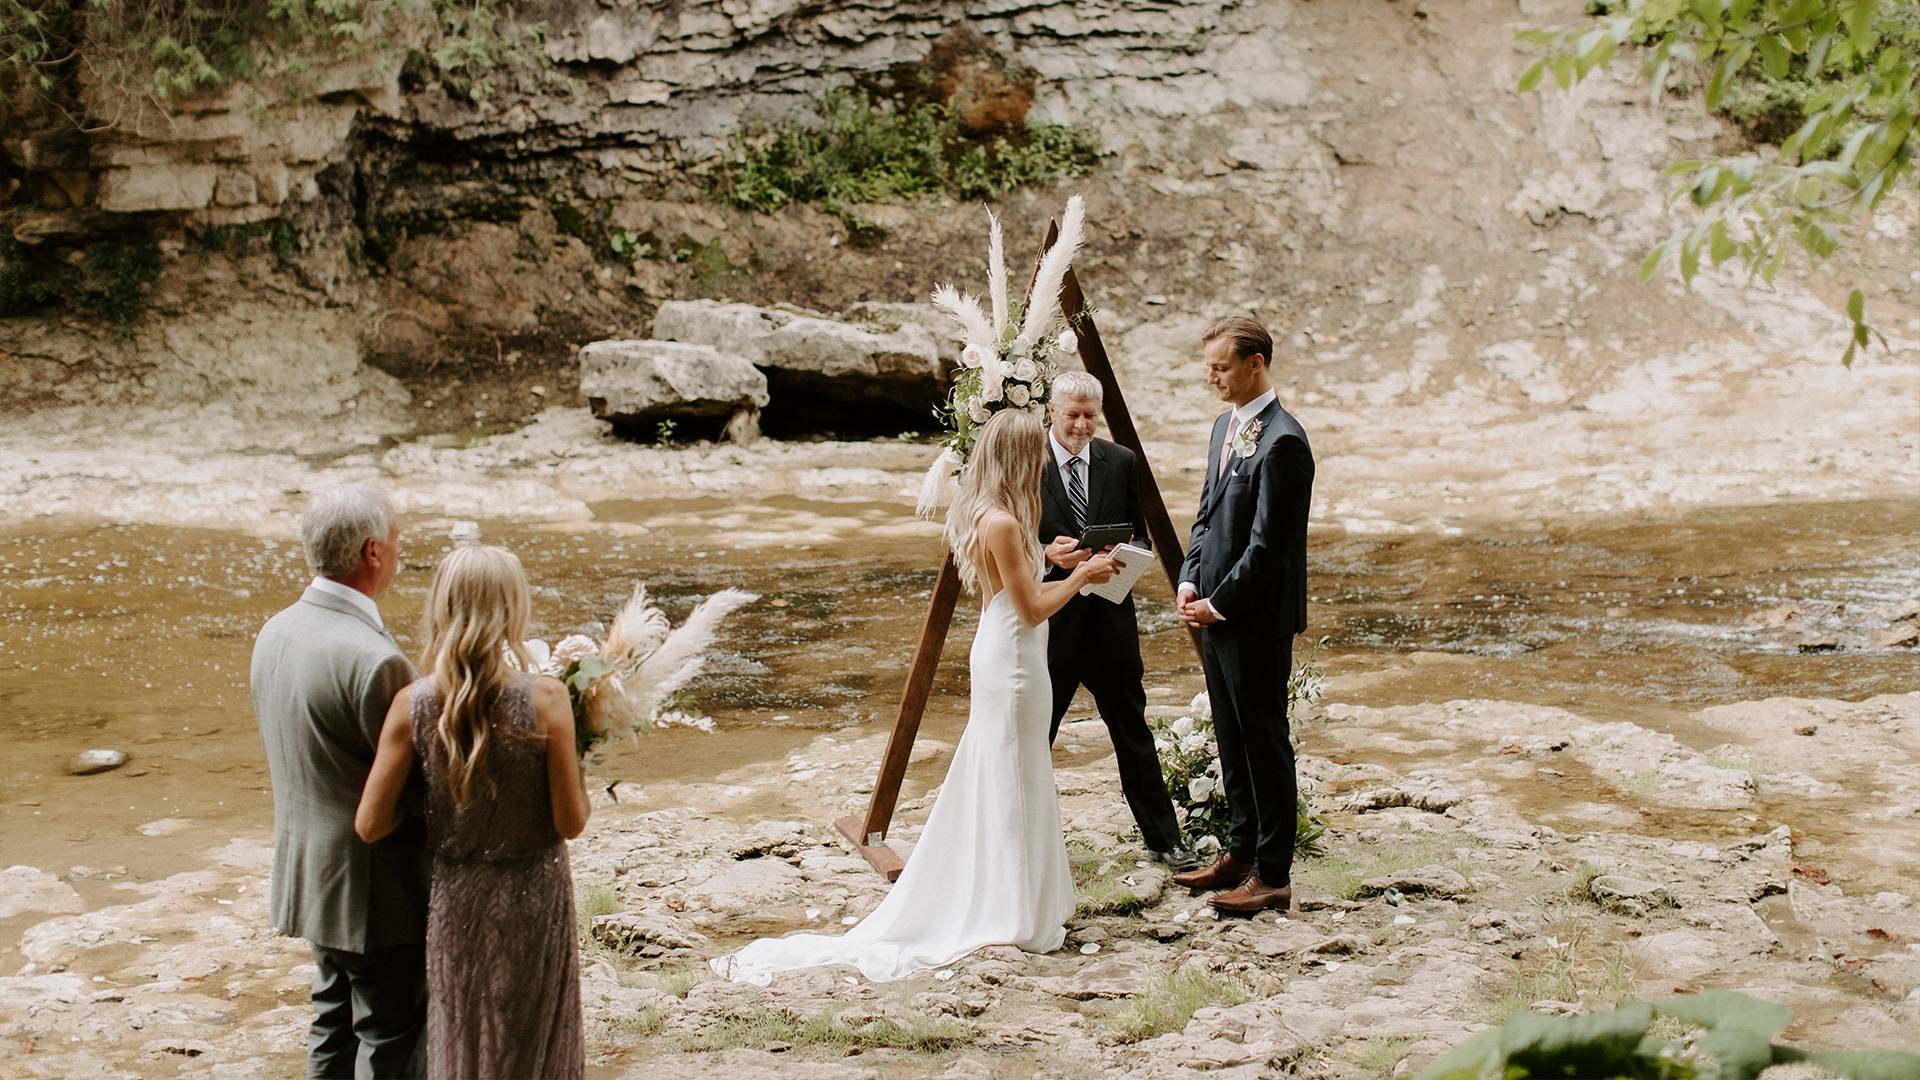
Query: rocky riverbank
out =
(1483, 857)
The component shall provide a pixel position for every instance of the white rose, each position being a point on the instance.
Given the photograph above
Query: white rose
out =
(978, 411)
(1200, 705)
(1182, 726)
(975, 356)
(1068, 342)
(1026, 370)
(573, 647)
(1200, 789)
(538, 652)
(1206, 844)
(1193, 743)
(1017, 395)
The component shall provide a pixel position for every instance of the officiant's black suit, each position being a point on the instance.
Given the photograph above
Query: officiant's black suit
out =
(1096, 643)
(1248, 555)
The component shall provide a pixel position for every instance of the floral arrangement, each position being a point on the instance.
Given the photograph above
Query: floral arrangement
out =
(1190, 760)
(1009, 355)
(622, 683)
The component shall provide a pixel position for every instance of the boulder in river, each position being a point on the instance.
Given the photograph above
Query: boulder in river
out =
(638, 385)
(864, 375)
(88, 762)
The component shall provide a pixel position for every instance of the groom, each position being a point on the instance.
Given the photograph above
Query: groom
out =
(1244, 585)
(1094, 642)
(324, 672)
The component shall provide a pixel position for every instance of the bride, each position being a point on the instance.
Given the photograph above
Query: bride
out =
(991, 865)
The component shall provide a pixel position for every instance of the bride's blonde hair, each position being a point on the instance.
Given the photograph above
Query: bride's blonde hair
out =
(1003, 474)
(474, 624)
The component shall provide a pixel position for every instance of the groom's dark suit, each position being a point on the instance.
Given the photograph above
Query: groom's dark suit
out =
(1248, 557)
(1096, 643)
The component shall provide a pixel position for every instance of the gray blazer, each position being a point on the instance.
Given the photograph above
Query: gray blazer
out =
(324, 675)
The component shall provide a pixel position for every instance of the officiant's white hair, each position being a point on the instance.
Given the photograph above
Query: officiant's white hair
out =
(1003, 474)
(1076, 386)
(339, 522)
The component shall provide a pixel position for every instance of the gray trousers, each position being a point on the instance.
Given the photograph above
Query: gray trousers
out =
(370, 1014)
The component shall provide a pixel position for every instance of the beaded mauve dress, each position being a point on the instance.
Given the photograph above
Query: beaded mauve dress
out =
(503, 971)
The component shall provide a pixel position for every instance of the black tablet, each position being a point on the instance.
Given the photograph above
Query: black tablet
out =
(1104, 536)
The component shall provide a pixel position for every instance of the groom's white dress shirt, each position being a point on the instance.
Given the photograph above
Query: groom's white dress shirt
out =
(1061, 457)
(1241, 417)
(352, 596)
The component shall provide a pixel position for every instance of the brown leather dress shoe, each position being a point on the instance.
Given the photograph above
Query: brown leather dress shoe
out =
(1225, 873)
(1253, 897)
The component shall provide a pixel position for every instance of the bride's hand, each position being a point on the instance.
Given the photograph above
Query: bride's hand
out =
(1098, 569)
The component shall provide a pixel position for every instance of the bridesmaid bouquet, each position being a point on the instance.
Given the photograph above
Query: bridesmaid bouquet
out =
(1010, 356)
(619, 685)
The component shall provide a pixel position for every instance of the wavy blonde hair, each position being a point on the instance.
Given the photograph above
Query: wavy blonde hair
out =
(475, 621)
(1003, 474)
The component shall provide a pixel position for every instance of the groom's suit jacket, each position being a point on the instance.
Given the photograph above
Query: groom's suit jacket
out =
(324, 674)
(1248, 553)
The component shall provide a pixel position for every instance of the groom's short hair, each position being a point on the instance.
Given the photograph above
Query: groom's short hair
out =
(1248, 337)
(339, 522)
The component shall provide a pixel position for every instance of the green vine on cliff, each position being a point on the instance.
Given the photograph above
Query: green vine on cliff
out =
(855, 149)
(138, 58)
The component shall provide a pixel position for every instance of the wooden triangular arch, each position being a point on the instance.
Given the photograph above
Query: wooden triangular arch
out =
(868, 833)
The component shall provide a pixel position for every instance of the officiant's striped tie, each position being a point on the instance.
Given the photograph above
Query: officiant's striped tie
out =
(1077, 495)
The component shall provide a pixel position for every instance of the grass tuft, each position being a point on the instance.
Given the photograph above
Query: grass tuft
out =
(1567, 963)
(1168, 1004)
(1339, 874)
(1379, 1056)
(762, 1028)
(1096, 880)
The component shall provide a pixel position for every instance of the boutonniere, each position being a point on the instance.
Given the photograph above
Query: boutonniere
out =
(1247, 440)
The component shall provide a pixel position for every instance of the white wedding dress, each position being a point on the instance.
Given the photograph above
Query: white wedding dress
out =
(991, 865)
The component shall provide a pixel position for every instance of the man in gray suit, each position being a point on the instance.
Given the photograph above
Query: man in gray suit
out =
(325, 671)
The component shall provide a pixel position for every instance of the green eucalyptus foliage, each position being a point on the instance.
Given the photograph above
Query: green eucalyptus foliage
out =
(1734, 1041)
(1836, 79)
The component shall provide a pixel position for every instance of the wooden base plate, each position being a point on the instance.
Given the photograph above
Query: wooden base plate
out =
(884, 859)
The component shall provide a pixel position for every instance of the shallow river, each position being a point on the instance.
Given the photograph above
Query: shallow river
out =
(137, 638)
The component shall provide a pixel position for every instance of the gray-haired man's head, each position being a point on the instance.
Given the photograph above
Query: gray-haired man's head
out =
(349, 534)
(1074, 402)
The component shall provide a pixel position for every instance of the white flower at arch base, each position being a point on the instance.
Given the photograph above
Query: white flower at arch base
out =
(1008, 358)
(1190, 762)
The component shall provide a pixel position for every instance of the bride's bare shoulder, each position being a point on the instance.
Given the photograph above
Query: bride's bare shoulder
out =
(997, 521)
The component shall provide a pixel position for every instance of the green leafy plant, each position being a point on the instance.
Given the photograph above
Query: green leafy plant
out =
(1733, 1040)
(856, 149)
(663, 434)
(629, 246)
(116, 279)
(1852, 133)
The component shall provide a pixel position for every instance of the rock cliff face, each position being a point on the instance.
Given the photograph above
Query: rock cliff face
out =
(1361, 174)
(442, 229)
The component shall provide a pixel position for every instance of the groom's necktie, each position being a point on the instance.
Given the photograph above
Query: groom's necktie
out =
(1077, 495)
(1226, 448)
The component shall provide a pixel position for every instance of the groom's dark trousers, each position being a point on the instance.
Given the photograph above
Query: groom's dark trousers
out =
(1095, 643)
(1248, 556)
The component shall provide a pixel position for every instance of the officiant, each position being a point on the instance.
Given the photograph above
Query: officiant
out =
(1094, 642)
